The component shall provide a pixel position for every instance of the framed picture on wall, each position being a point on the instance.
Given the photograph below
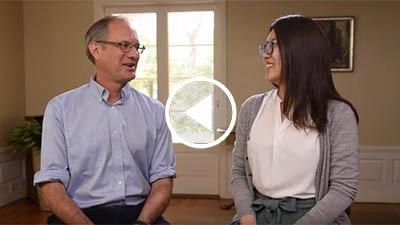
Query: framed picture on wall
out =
(340, 34)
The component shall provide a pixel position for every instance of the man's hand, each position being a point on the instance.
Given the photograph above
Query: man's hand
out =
(157, 201)
(248, 220)
(61, 204)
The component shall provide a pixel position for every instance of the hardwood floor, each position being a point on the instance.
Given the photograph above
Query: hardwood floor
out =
(22, 211)
(201, 211)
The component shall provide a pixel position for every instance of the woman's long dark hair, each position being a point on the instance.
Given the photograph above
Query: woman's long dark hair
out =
(306, 70)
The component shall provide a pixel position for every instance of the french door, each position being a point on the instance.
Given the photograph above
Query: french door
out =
(182, 42)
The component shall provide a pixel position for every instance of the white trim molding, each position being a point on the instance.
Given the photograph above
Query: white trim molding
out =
(12, 177)
(379, 179)
(100, 5)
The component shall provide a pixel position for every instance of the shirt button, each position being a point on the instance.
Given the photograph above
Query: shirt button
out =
(120, 182)
(115, 132)
(112, 107)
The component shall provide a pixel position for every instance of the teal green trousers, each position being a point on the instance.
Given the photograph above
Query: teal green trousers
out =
(270, 211)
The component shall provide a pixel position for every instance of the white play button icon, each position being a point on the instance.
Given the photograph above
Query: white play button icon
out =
(202, 112)
(195, 111)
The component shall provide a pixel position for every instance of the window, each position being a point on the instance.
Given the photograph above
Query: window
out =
(145, 25)
(180, 44)
(190, 45)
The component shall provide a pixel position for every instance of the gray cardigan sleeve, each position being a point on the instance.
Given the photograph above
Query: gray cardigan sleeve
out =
(343, 143)
(242, 194)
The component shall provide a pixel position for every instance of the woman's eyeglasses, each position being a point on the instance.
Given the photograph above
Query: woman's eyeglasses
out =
(266, 48)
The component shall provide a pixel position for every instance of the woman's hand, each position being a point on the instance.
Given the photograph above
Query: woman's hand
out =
(248, 220)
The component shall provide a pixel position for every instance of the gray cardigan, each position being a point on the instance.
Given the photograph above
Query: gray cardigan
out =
(337, 171)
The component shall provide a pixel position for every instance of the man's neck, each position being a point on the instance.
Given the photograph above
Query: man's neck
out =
(113, 88)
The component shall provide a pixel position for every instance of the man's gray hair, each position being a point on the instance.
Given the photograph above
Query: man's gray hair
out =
(98, 31)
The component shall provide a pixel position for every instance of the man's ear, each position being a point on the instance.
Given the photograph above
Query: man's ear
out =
(95, 50)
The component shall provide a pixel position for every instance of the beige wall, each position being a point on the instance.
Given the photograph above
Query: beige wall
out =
(372, 87)
(12, 86)
(54, 49)
(55, 60)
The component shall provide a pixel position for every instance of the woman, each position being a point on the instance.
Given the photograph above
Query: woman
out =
(295, 156)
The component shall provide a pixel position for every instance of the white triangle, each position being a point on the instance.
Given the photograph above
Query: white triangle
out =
(202, 112)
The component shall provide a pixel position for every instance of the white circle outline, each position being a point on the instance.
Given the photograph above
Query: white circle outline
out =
(231, 124)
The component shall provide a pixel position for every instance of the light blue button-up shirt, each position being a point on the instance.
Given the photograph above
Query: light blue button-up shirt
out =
(105, 152)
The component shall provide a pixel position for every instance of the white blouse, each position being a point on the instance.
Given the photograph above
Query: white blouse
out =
(283, 159)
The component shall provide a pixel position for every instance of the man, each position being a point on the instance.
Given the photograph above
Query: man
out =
(107, 154)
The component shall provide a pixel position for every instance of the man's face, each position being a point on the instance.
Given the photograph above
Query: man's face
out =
(113, 64)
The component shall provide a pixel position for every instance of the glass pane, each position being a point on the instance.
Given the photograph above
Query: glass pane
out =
(191, 61)
(188, 28)
(186, 127)
(145, 25)
(191, 45)
(191, 54)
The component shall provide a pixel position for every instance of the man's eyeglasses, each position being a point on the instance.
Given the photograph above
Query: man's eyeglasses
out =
(266, 48)
(125, 46)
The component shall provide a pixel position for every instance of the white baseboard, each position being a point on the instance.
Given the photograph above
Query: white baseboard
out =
(379, 179)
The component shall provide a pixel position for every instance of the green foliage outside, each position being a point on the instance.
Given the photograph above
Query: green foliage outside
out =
(185, 98)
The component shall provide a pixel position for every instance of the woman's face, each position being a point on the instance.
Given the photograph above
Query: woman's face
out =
(272, 62)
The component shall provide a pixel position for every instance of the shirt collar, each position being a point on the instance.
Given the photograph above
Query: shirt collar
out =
(125, 92)
(102, 94)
